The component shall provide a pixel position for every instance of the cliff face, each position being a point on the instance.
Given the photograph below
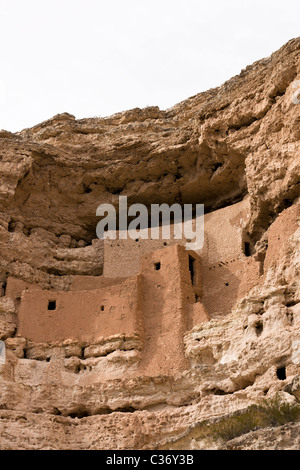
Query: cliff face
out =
(241, 140)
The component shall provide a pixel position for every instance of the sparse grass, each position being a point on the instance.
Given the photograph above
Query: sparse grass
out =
(277, 412)
(237, 425)
(268, 413)
(272, 412)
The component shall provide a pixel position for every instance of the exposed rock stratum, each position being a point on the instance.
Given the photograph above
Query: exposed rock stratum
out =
(134, 345)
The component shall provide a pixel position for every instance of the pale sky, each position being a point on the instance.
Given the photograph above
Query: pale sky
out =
(95, 57)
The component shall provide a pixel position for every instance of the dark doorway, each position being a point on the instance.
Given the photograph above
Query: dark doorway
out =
(281, 373)
(247, 249)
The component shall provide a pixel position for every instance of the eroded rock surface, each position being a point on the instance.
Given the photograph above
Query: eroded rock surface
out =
(238, 142)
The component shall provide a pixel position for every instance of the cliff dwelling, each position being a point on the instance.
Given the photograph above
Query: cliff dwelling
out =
(161, 292)
(140, 343)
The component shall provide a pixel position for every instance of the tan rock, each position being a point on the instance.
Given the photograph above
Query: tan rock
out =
(134, 345)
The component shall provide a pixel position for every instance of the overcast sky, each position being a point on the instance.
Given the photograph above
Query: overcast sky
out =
(95, 57)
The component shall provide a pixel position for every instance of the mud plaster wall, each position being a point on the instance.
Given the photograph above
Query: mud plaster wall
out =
(226, 282)
(220, 286)
(224, 234)
(160, 298)
(223, 240)
(168, 312)
(227, 274)
(106, 310)
(160, 304)
(82, 315)
(279, 232)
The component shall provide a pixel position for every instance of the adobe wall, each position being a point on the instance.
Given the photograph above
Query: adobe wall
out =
(224, 284)
(122, 257)
(160, 304)
(80, 315)
(223, 241)
(15, 287)
(279, 232)
(93, 282)
(224, 233)
(168, 304)
(175, 290)
(227, 273)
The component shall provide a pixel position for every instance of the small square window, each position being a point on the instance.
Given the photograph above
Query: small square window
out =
(52, 305)
(157, 266)
(102, 308)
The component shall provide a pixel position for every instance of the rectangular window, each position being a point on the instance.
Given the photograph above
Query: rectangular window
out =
(157, 266)
(247, 249)
(192, 269)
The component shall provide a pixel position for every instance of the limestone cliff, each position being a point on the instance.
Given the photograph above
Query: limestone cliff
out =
(234, 146)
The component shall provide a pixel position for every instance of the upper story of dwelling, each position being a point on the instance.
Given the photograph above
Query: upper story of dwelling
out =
(225, 240)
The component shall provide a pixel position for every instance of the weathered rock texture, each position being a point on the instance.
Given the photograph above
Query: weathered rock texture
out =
(191, 353)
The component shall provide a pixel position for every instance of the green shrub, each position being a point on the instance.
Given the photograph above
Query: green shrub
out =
(276, 412)
(237, 425)
(272, 412)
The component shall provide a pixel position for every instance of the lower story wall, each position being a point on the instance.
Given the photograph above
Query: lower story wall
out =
(47, 316)
(152, 311)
